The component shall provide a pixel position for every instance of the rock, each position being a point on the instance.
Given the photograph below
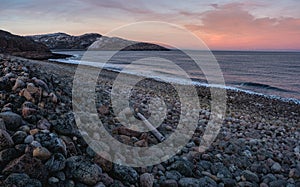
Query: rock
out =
(169, 183)
(117, 183)
(126, 174)
(19, 84)
(173, 174)
(7, 155)
(29, 165)
(40, 83)
(247, 184)
(102, 159)
(21, 180)
(25, 93)
(5, 140)
(43, 124)
(278, 183)
(12, 120)
(276, 167)
(19, 137)
(184, 167)
(100, 184)
(53, 97)
(53, 180)
(250, 176)
(83, 170)
(35, 144)
(228, 182)
(192, 182)
(2, 124)
(52, 142)
(295, 172)
(60, 175)
(56, 163)
(41, 153)
(26, 111)
(29, 139)
(107, 180)
(146, 180)
(125, 131)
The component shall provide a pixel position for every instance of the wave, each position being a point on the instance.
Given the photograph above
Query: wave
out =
(264, 86)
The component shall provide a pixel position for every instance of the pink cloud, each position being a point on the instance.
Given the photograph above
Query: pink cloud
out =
(231, 26)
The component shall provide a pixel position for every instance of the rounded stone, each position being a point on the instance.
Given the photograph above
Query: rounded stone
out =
(41, 153)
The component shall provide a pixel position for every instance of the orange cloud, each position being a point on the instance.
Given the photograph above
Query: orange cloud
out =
(231, 27)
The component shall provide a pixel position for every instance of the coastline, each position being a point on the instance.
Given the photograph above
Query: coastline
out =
(258, 142)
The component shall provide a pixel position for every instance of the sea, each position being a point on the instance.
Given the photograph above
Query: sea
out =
(266, 73)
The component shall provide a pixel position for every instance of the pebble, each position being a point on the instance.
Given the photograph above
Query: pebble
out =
(56, 163)
(29, 139)
(5, 140)
(250, 176)
(83, 170)
(41, 153)
(12, 120)
(126, 174)
(19, 137)
(146, 180)
(276, 167)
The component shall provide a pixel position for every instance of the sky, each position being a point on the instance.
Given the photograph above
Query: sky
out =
(221, 24)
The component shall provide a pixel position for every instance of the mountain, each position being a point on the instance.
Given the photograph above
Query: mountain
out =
(23, 47)
(115, 43)
(63, 41)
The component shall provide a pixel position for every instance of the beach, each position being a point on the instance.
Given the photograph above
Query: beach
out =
(41, 145)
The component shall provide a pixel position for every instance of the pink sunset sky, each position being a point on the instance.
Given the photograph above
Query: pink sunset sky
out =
(222, 25)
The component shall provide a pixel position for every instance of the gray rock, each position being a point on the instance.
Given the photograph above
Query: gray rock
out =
(173, 174)
(107, 180)
(192, 182)
(33, 167)
(126, 174)
(7, 155)
(184, 167)
(29, 139)
(268, 178)
(19, 137)
(56, 163)
(5, 140)
(250, 176)
(53, 180)
(100, 184)
(52, 142)
(228, 182)
(83, 170)
(169, 183)
(247, 184)
(146, 180)
(21, 180)
(276, 167)
(278, 183)
(12, 120)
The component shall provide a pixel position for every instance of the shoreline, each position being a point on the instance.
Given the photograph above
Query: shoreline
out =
(197, 83)
(258, 143)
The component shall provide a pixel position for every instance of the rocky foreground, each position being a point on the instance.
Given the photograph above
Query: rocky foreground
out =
(40, 145)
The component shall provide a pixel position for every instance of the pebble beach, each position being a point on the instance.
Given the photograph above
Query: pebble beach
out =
(257, 145)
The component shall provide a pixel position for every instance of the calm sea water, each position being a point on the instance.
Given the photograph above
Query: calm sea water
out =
(275, 74)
